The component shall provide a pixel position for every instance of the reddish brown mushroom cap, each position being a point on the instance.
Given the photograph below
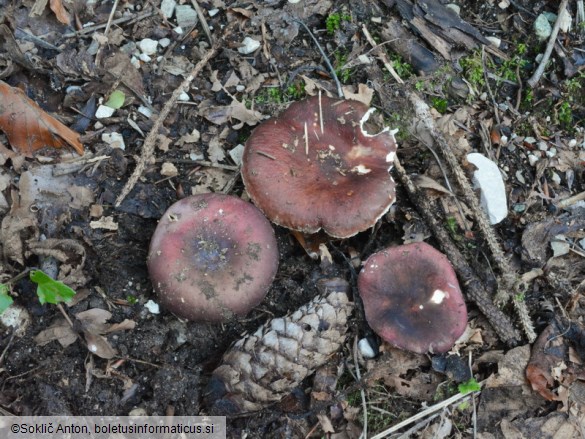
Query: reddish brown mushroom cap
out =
(212, 257)
(315, 166)
(412, 298)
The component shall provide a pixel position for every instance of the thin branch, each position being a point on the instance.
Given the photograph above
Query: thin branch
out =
(150, 141)
(325, 58)
(535, 78)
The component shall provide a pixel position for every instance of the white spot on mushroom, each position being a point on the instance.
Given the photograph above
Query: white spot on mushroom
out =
(438, 296)
(331, 147)
(421, 307)
(390, 157)
(220, 211)
(361, 169)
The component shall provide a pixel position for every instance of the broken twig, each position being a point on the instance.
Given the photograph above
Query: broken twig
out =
(150, 141)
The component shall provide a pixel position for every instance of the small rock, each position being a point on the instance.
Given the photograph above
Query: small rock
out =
(551, 153)
(496, 42)
(237, 153)
(145, 111)
(366, 349)
(148, 46)
(152, 307)
(164, 42)
(488, 179)
(186, 16)
(560, 246)
(572, 143)
(455, 8)
(249, 46)
(542, 146)
(115, 140)
(144, 57)
(169, 170)
(184, 97)
(542, 27)
(213, 12)
(103, 111)
(532, 159)
(167, 7)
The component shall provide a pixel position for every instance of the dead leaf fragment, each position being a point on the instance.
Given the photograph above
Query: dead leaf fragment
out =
(28, 127)
(60, 12)
(60, 331)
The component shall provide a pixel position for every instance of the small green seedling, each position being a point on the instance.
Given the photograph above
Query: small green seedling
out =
(5, 299)
(469, 386)
(116, 99)
(333, 22)
(50, 290)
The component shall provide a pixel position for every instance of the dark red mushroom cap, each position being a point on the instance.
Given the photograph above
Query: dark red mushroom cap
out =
(412, 298)
(212, 257)
(315, 166)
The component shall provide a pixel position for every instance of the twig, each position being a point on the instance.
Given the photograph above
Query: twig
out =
(111, 17)
(508, 279)
(325, 58)
(487, 83)
(203, 21)
(567, 202)
(362, 392)
(150, 141)
(7, 346)
(549, 47)
(381, 55)
(92, 29)
(475, 290)
(424, 413)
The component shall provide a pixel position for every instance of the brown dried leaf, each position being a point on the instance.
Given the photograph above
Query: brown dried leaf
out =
(100, 346)
(94, 320)
(28, 127)
(60, 331)
(60, 12)
(126, 325)
(222, 114)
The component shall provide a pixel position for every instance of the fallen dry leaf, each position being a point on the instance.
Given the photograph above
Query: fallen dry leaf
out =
(60, 331)
(60, 12)
(28, 127)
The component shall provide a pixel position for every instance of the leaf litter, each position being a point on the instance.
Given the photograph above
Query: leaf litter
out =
(102, 251)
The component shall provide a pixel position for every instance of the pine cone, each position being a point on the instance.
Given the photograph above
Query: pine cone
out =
(265, 366)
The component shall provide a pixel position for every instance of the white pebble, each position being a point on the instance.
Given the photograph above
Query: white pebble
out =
(551, 153)
(152, 307)
(164, 42)
(249, 46)
(148, 46)
(102, 112)
(167, 7)
(145, 111)
(213, 12)
(144, 57)
(542, 146)
(488, 179)
(184, 97)
(572, 143)
(115, 140)
(366, 349)
(237, 153)
(532, 159)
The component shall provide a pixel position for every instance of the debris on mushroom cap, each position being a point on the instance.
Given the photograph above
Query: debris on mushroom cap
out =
(212, 257)
(315, 166)
(412, 298)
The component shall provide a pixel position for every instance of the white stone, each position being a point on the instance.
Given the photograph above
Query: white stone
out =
(103, 111)
(236, 153)
(178, 30)
(213, 12)
(144, 57)
(115, 140)
(145, 111)
(135, 62)
(249, 46)
(164, 42)
(488, 179)
(572, 143)
(167, 7)
(366, 349)
(186, 16)
(184, 97)
(496, 42)
(532, 159)
(169, 170)
(16, 317)
(542, 27)
(152, 306)
(148, 46)
(551, 153)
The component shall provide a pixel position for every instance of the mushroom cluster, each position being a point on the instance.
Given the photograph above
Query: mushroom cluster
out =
(412, 298)
(315, 167)
(212, 257)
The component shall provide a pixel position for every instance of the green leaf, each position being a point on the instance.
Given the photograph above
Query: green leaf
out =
(469, 386)
(5, 299)
(50, 290)
(116, 99)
